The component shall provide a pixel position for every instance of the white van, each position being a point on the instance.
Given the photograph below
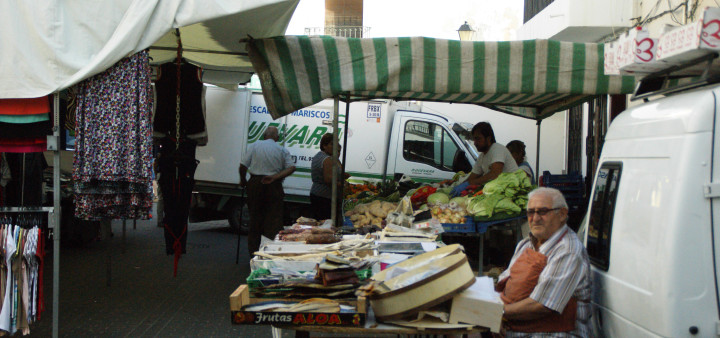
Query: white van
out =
(653, 224)
(384, 139)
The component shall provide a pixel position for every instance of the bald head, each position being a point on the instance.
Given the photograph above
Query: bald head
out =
(271, 133)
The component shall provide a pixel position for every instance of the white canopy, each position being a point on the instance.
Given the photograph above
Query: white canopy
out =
(47, 46)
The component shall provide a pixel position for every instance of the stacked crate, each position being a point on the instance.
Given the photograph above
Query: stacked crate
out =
(573, 188)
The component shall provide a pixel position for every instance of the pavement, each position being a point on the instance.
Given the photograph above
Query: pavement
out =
(125, 287)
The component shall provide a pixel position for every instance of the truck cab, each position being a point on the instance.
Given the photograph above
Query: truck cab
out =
(429, 146)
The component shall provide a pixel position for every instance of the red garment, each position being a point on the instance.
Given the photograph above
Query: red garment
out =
(34, 148)
(524, 275)
(33, 106)
(22, 141)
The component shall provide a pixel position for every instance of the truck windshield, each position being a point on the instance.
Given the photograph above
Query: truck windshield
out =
(462, 129)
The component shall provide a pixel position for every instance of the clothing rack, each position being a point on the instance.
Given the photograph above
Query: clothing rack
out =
(27, 209)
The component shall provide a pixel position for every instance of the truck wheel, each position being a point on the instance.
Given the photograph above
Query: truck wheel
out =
(234, 210)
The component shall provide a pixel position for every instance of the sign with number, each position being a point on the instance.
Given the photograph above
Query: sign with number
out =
(373, 110)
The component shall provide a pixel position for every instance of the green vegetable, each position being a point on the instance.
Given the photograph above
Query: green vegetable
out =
(461, 201)
(438, 197)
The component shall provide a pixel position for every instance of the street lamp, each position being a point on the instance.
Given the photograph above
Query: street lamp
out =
(466, 32)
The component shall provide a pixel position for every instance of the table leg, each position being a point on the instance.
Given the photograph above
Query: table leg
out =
(518, 231)
(480, 254)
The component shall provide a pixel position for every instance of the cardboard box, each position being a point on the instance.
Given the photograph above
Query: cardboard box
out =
(691, 41)
(241, 297)
(478, 305)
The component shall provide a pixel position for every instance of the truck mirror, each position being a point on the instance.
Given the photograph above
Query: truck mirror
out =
(461, 131)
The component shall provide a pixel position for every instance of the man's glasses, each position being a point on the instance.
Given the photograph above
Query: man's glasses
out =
(540, 212)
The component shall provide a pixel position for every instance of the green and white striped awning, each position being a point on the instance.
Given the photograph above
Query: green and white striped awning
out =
(533, 78)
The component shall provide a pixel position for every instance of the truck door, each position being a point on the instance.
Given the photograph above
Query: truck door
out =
(428, 151)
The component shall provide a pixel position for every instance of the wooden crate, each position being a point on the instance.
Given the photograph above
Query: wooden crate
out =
(241, 297)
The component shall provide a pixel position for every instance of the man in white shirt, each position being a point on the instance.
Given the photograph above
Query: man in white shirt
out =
(268, 163)
(494, 158)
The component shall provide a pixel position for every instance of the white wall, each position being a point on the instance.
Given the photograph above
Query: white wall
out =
(578, 20)
(553, 147)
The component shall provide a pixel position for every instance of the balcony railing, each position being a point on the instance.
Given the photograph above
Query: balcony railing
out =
(532, 7)
(340, 31)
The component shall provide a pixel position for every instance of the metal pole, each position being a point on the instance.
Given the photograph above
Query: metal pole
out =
(122, 248)
(334, 201)
(347, 123)
(537, 154)
(242, 203)
(56, 213)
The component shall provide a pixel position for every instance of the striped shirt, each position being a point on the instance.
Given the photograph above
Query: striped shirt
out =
(266, 157)
(566, 274)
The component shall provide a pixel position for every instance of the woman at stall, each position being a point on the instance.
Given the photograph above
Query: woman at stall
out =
(322, 167)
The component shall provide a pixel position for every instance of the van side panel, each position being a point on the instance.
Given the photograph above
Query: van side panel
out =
(300, 134)
(660, 281)
(368, 134)
(226, 121)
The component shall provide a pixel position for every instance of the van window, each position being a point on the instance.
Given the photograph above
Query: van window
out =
(601, 214)
(429, 143)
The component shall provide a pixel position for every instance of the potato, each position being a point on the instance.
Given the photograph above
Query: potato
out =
(377, 211)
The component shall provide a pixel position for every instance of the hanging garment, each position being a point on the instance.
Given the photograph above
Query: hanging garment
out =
(25, 130)
(5, 177)
(25, 106)
(191, 90)
(177, 169)
(6, 312)
(112, 171)
(25, 187)
(21, 119)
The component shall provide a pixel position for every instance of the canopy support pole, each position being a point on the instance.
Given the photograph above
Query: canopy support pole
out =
(347, 123)
(56, 218)
(333, 210)
(537, 154)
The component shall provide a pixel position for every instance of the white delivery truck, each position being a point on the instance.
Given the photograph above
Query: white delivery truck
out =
(384, 139)
(653, 225)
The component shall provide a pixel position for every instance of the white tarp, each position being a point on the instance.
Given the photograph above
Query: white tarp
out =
(46, 46)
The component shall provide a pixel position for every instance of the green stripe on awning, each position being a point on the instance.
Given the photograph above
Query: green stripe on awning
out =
(528, 71)
(356, 53)
(578, 72)
(478, 68)
(381, 63)
(406, 64)
(503, 67)
(454, 66)
(553, 66)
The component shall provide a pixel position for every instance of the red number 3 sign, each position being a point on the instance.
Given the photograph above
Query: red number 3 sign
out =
(711, 33)
(643, 49)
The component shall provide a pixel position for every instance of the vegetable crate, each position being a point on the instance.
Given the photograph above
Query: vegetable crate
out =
(468, 226)
(572, 185)
(240, 298)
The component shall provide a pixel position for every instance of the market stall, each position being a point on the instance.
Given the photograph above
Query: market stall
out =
(531, 79)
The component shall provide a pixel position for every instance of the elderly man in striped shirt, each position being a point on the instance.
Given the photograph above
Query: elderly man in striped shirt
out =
(547, 288)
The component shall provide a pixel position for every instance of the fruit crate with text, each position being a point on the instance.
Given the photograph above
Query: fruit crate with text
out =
(242, 313)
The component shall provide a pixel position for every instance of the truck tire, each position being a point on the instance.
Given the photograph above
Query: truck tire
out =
(234, 210)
